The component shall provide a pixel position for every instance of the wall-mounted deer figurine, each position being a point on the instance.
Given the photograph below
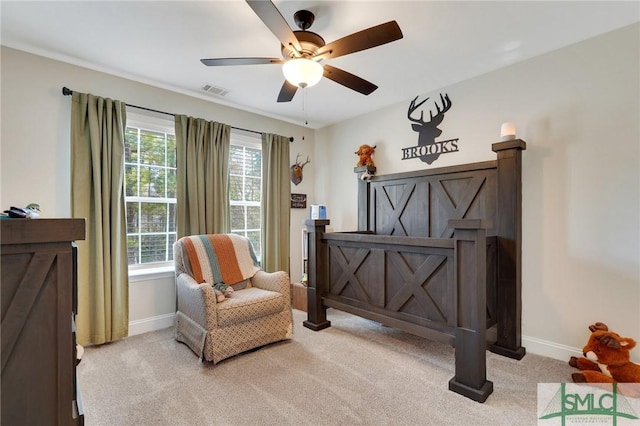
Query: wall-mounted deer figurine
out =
(296, 170)
(428, 130)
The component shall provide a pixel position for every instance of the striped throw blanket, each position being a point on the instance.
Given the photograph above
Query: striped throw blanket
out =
(219, 258)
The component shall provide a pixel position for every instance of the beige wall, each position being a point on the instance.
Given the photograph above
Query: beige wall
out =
(578, 110)
(35, 152)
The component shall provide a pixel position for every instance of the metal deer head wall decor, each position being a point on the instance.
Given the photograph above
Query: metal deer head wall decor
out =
(296, 170)
(428, 149)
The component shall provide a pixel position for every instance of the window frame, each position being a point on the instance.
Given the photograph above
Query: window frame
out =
(251, 140)
(154, 124)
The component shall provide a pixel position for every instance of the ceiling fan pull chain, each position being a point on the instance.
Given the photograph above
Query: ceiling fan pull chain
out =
(304, 106)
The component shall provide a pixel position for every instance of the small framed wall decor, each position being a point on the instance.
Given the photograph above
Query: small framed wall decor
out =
(298, 201)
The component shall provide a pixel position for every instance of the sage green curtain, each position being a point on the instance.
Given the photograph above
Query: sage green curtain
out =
(276, 202)
(97, 194)
(202, 176)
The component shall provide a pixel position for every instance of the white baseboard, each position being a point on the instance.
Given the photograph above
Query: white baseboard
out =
(146, 325)
(550, 349)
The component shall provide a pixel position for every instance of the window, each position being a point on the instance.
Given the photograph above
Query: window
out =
(150, 179)
(245, 186)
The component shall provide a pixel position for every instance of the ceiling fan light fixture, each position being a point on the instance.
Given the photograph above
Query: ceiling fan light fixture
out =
(302, 72)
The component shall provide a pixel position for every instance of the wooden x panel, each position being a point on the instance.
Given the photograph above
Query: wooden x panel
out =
(394, 211)
(455, 206)
(19, 308)
(349, 268)
(357, 274)
(414, 282)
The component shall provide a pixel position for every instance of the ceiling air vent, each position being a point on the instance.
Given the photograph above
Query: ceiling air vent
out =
(218, 91)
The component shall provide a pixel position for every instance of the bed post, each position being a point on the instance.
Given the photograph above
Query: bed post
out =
(363, 197)
(509, 248)
(470, 260)
(316, 275)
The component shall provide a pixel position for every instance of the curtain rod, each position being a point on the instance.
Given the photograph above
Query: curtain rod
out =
(68, 92)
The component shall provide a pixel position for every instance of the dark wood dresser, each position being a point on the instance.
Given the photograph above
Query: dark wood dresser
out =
(39, 303)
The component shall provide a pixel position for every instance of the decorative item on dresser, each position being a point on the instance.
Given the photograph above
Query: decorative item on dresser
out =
(437, 254)
(39, 302)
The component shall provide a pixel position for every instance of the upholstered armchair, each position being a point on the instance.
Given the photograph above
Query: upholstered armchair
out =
(257, 313)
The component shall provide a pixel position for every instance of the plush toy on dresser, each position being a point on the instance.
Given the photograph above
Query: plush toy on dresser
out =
(606, 359)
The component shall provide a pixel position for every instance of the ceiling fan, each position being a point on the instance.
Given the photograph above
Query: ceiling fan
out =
(302, 51)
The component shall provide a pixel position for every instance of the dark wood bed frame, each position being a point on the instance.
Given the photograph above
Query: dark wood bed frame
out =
(437, 254)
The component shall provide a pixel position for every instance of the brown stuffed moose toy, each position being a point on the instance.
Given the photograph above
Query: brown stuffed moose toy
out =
(364, 154)
(606, 359)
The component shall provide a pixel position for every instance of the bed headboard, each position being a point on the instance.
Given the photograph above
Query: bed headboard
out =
(421, 203)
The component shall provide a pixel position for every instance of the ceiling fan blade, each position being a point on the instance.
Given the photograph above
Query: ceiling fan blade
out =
(349, 80)
(287, 92)
(365, 39)
(274, 20)
(219, 62)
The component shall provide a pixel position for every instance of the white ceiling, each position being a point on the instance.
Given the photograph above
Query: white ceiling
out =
(161, 43)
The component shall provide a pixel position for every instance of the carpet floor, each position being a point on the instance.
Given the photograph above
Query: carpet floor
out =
(357, 372)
